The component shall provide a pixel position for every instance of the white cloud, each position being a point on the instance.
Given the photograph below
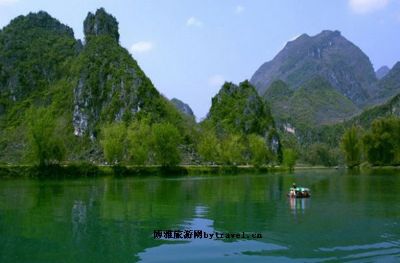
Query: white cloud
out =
(192, 21)
(142, 47)
(216, 80)
(367, 6)
(239, 9)
(7, 2)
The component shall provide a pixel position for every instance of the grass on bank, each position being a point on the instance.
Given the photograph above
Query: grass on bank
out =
(91, 170)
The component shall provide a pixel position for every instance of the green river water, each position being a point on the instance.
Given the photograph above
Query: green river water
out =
(349, 218)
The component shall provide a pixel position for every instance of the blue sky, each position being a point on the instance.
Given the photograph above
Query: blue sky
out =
(188, 48)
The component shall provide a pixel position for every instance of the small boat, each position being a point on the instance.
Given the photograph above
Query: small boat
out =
(299, 192)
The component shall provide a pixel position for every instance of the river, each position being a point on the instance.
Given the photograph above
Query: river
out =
(349, 217)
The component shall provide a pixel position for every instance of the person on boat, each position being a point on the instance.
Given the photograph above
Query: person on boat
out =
(293, 190)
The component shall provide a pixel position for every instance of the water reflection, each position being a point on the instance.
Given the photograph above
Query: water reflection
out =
(112, 220)
(299, 205)
(78, 220)
(200, 250)
(201, 211)
(385, 251)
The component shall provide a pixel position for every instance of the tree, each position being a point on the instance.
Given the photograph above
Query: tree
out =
(232, 149)
(258, 150)
(138, 142)
(351, 146)
(209, 147)
(289, 158)
(274, 144)
(113, 140)
(322, 154)
(165, 141)
(45, 146)
(382, 142)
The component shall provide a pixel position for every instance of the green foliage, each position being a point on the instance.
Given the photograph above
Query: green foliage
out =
(183, 107)
(351, 145)
(382, 142)
(208, 146)
(239, 109)
(236, 112)
(275, 146)
(289, 158)
(259, 153)
(316, 102)
(100, 23)
(45, 146)
(232, 149)
(289, 140)
(139, 142)
(113, 141)
(309, 109)
(322, 154)
(332, 134)
(113, 87)
(165, 111)
(278, 90)
(278, 96)
(389, 85)
(390, 108)
(165, 141)
(329, 134)
(33, 50)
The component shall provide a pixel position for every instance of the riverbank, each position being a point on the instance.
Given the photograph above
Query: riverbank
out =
(92, 170)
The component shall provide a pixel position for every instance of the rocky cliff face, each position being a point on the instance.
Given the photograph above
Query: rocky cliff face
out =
(83, 86)
(239, 109)
(110, 86)
(34, 50)
(100, 23)
(328, 55)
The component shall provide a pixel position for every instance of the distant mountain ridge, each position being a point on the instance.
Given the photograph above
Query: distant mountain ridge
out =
(328, 55)
(382, 71)
(388, 86)
(389, 108)
(346, 81)
(183, 107)
(314, 103)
